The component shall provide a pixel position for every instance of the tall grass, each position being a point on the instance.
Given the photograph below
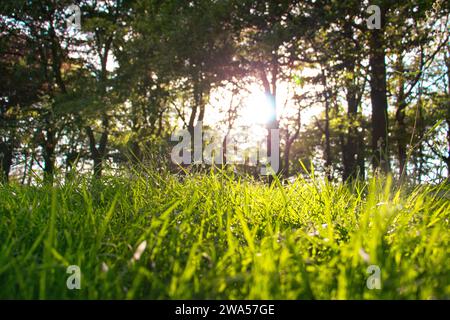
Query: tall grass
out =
(220, 237)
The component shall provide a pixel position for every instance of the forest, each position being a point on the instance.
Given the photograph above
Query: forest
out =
(225, 149)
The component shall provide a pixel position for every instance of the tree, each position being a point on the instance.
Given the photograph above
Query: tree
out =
(378, 93)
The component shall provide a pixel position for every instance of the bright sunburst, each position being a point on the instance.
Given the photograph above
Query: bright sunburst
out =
(257, 109)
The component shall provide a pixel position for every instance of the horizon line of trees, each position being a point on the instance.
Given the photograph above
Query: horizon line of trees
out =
(138, 68)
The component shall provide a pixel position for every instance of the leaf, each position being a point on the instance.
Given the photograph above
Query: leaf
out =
(298, 80)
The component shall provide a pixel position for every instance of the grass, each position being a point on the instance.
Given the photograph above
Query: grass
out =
(217, 237)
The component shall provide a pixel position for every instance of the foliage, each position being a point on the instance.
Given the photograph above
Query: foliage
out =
(220, 236)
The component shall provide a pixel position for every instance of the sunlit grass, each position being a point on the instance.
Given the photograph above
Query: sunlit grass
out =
(219, 237)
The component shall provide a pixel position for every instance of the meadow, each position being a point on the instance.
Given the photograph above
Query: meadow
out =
(219, 236)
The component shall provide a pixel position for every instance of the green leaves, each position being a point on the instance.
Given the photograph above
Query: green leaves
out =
(298, 80)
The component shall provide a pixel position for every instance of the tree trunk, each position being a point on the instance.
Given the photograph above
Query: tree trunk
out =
(378, 96)
(351, 145)
(49, 156)
(360, 158)
(287, 151)
(421, 133)
(25, 168)
(98, 154)
(98, 166)
(136, 152)
(270, 89)
(401, 138)
(353, 97)
(401, 135)
(327, 155)
(350, 156)
(6, 156)
(290, 139)
(328, 161)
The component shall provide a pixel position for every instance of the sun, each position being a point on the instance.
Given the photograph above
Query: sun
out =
(257, 109)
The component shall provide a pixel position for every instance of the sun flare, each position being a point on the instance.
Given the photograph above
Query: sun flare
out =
(257, 109)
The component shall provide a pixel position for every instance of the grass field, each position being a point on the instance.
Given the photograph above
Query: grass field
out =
(218, 237)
